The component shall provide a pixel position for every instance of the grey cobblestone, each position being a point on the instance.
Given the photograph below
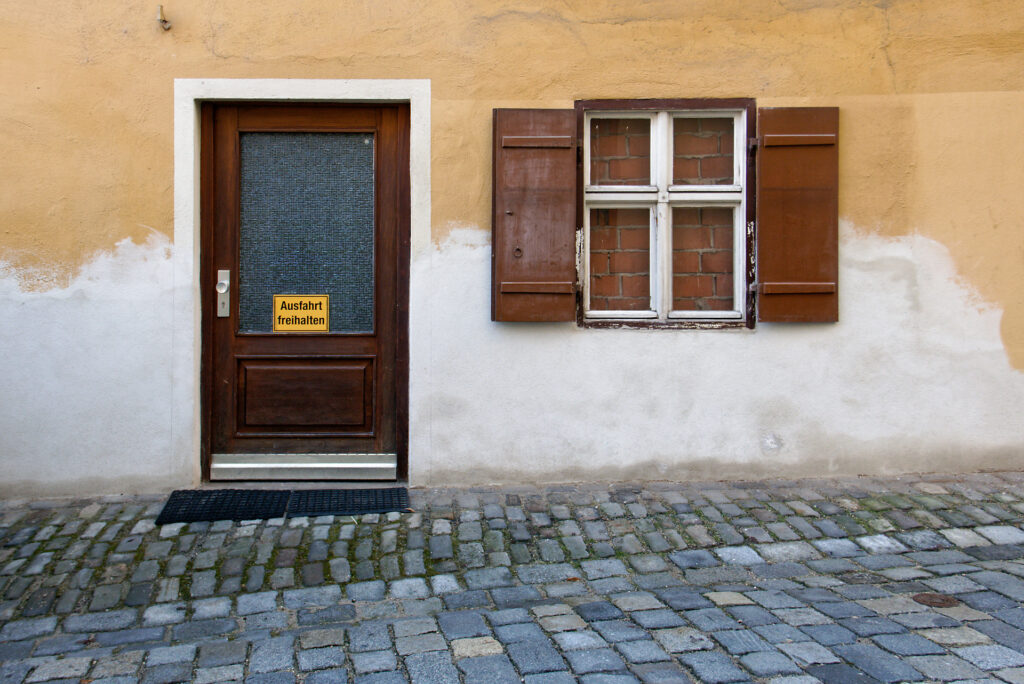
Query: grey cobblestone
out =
(27, 629)
(776, 581)
(320, 658)
(100, 622)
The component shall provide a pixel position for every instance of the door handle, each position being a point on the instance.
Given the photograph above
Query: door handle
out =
(223, 288)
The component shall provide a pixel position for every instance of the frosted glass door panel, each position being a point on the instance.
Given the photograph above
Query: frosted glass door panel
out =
(307, 226)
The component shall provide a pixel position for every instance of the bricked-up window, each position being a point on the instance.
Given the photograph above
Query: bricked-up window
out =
(702, 258)
(620, 151)
(664, 214)
(620, 259)
(702, 151)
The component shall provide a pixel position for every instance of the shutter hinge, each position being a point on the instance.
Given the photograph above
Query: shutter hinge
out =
(753, 144)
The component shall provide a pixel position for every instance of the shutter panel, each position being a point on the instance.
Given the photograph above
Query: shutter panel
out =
(533, 228)
(797, 214)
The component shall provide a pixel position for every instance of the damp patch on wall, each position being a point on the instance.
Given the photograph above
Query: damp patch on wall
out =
(87, 377)
(914, 377)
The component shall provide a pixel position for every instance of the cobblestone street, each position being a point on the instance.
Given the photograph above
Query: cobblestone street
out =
(917, 578)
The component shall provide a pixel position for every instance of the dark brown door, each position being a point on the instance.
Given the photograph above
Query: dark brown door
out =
(305, 233)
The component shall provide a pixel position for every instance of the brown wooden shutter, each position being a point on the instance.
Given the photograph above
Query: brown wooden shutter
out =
(533, 229)
(797, 214)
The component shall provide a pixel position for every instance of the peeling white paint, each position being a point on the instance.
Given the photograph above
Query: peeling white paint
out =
(913, 378)
(86, 378)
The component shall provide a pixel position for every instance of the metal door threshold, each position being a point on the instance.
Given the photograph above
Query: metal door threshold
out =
(304, 467)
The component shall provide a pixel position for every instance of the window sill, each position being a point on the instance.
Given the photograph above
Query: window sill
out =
(670, 324)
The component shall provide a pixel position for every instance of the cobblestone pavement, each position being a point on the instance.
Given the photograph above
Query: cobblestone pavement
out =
(853, 580)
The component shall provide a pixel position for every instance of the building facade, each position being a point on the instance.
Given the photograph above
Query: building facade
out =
(551, 241)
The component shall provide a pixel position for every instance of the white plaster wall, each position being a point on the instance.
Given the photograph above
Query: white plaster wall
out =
(913, 378)
(86, 381)
(100, 378)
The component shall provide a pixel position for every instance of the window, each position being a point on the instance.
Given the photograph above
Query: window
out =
(641, 213)
(664, 212)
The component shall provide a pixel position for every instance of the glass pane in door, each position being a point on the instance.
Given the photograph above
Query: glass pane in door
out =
(307, 226)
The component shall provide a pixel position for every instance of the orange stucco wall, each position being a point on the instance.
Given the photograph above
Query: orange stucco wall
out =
(931, 96)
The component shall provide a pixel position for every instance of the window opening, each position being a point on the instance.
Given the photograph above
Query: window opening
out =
(685, 170)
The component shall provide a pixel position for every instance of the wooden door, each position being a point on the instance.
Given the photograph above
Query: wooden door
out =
(305, 288)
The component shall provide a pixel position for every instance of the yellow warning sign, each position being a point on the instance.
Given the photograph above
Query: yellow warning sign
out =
(301, 313)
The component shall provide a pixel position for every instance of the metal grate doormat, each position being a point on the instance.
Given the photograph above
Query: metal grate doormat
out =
(200, 505)
(348, 501)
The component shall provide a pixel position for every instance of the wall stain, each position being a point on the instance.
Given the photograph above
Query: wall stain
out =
(92, 155)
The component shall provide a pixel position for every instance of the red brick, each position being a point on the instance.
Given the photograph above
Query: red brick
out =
(716, 262)
(723, 286)
(718, 125)
(603, 127)
(691, 238)
(718, 304)
(603, 238)
(604, 286)
(713, 216)
(635, 304)
(685, 125)
(685, 170)
(640, 146)
(629, 218)
(600, 217)
(630, 171)
(636, 286)
(685, 262)
(635, 238)
(725, 142)
(722, 237)
(716, 168)
(630, 262)
(686, 216)
(684, 304)
(695, 145)
(600, 304)
(598, 171)
(608, 145)
(599, 263)
(635, 126)
(692, 286)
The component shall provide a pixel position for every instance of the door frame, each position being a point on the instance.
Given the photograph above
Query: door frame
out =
(391, 260)
(187, 344)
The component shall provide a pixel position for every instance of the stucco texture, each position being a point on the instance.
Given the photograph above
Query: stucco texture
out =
(928, 91)
(913, 378)
(923, 372)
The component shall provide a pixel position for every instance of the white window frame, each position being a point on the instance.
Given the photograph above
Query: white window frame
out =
(662, 197)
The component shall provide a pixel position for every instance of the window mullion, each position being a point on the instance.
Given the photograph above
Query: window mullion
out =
(739, 258)
(586, 259)
(664, 266)
(661, 272)
(661, 145)
(586, 151)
